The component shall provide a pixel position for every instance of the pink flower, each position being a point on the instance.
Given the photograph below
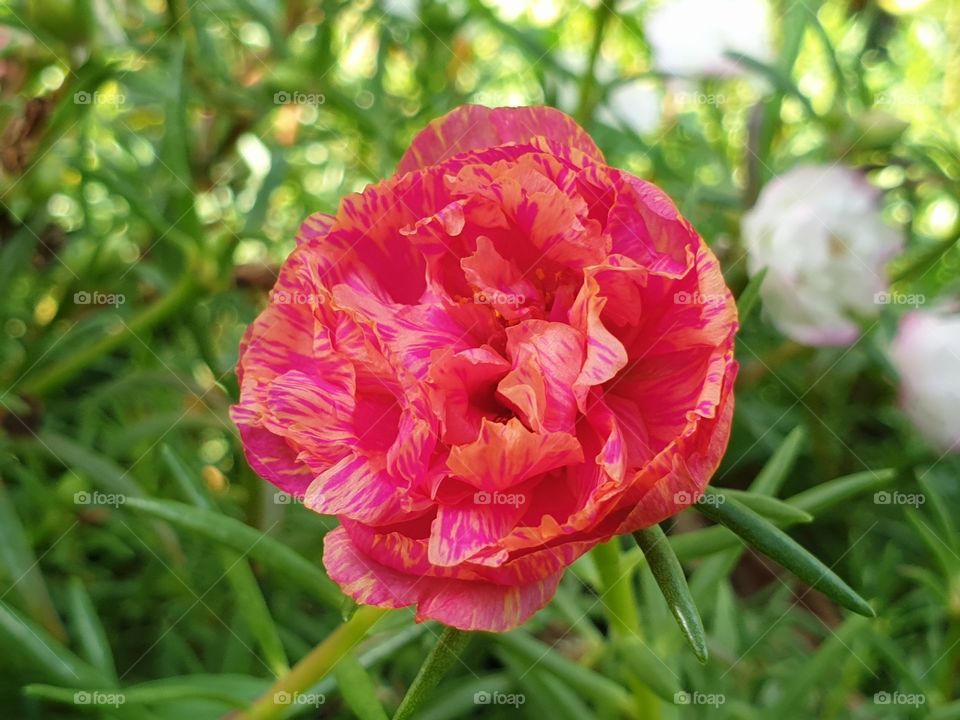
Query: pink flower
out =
(926, 355)
(484, 366)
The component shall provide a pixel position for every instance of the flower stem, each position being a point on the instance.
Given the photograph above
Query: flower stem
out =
(620, 605)
(314, 666)
(617, 591)
(448, 648)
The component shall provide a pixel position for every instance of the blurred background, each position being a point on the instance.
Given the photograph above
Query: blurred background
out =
(156, 159)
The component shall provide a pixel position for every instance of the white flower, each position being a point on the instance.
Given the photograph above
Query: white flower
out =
(692, 37)
(819, 231)
(926, 354)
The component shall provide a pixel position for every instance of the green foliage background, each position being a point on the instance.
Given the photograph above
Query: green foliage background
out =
(148, 152)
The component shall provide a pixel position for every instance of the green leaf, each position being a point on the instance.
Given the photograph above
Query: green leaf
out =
(442, 657)
(14, 257)
(950, 711)
(774, 473)
(31, 646)
(839, 490)
(104, 473)
(726, 629)
(108, 697)
(578, 677)
(946, 557)
(777, 511)
(358, 690)
(543, 691)
(749, 296)
(246, 590)
(459, 699)
(706, 583)
(817, 670)
(87, 628)
(648, 667)
(186, 479)
(246, 593)
(922, 261)
(710, 573)
(246, 541)
(940, 508)
(781, 548)
(700, 543)
(673, 584)
(23, 569)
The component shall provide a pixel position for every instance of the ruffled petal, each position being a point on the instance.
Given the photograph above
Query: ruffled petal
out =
(465, 605)
(314, 411)
(475, 127)
(605, 354)
(271, 457)
(677, 477)
(359, 488)
(547, 359)
(459, 384)
(460, 531)
(506, 454)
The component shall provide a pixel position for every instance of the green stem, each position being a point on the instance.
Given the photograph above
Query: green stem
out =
(588, 82)
(314, 666)
(620, 605)
(617, 591)
(448, 648)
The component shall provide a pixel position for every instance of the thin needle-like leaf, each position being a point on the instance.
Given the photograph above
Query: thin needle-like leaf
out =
(245, 540)
(781, 548)
(673, 584)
